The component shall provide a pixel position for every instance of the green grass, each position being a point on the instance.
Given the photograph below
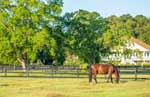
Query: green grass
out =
(71, 87)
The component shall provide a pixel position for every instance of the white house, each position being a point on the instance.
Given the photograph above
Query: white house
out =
(134, 45)
(144, 48)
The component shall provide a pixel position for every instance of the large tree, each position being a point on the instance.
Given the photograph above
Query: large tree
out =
(118, 33)
(84, 31)
(23, 29)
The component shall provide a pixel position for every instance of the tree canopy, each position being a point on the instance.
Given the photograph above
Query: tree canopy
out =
(24, 29)
(84, 30)
(34, 30)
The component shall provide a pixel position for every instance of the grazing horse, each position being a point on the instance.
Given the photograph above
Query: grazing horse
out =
(105, 69)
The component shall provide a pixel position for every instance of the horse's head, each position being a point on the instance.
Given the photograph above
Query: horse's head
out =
(117, 80)
(117, 76)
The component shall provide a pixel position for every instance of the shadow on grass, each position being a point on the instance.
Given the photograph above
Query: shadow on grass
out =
(105, 82)
(55, 95)
(123, 81)
(4, 85)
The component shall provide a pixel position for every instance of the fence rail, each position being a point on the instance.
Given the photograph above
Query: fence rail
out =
(126, 72)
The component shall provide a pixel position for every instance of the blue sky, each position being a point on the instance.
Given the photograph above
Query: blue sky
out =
(109, 7)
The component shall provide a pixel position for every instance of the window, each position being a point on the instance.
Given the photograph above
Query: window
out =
(145, 54)
(148, 54)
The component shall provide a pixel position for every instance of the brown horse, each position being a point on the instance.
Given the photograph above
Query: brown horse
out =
(105, 69)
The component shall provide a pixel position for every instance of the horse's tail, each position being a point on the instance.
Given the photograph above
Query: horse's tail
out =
(117, 74)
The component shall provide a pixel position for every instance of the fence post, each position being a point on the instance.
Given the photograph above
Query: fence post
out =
(27, 71)
(136, 71)
(77, 72)
(118, 68)
(90, 73)
(5, 72)
(52, 71)
(2, 69)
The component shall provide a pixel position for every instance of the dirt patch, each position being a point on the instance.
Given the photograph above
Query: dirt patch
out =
(4, 85)
(144, 95)
(55, 95)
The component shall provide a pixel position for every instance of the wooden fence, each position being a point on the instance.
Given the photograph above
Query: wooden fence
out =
(126, 72)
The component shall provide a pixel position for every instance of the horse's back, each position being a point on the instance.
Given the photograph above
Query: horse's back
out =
(102, 68)
(102, 65)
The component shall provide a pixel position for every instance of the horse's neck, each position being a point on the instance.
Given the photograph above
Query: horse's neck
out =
(116, 72)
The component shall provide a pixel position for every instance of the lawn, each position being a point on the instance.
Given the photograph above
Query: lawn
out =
(71, 87)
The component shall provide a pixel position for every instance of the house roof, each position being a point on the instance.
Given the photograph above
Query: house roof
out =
(141, 43)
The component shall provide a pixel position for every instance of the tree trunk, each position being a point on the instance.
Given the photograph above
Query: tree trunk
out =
(90, 74)
(90, 70)
(23, 64)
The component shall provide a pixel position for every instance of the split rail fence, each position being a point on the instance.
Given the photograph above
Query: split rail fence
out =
(126, 72)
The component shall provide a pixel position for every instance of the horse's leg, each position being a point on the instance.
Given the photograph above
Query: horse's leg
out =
(105, 76)
(108, 78)
(111, 79)
(95, 78)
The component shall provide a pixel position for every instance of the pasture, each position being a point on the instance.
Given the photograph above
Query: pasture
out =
(71, 87)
